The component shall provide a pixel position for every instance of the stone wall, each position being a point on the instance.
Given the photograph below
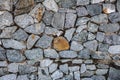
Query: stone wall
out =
(59, 39)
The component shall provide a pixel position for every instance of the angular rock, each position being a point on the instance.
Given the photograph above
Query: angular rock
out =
(68, 54)
(7, 32)
(15, 56)
(9, 77)
(23, 77)
(20, 35)
(109, 27)
(85, 54)
(11, 43)
(77, 61)
(92, 27)
(101, 71)
(108, 8)
(35, 28)
(76, 46)
(83, 2)
(44, 42)
(13, 67)
(90, 67)
(47, 17)
(74, 68)
(77, 75)
(103, 47)
(98, 77)
(23, 6)
(46, 62)
(114, 17)
(94, 9)
(51, 53)
(60, 43)
(69, 33)
(80, 28)
(23, 20)
(37, 12)
(6, 19)
(99, 19)
(51, 5)
(91, 36)
(52, 31)
(81, 11)
(82, 21)
(6, 5)
(114, 49)
(100, 36)
(32, 40)
(87, 74)
(83, 68)
(58, 20)
(92, 45)
(53, 67)
(64, 68)
(3, 64)
(3, 71)
(70, 20)
(2, 54)
(57, 74)
(34, 53)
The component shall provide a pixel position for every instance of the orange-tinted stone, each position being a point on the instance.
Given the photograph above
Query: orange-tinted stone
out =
(60, 43)
(39, 14)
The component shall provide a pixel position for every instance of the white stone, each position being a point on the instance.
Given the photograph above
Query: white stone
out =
(57, 74)
(53, 67)
(77, 61)
(80, 28)
(115, 49)
(77, 75)
(96, 1)
(101, 71)
(64, 68)
(3, 63)
(76, 46)
(108, 8)
(22, 77)
(13, 67)
(91, 67)
(51, 5)
(83, 68)
(45, 62)
(74, 68)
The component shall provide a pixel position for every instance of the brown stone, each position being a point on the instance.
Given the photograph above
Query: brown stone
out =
(23, 6)
(39, 14)
(60, 43)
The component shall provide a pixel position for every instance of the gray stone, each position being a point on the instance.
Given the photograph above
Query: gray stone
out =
(81, 11)
(87, 74)
(82, 21)
(37, 12)
(103, 47)
(11, 43)
(74, 68)
(86, 79)
(35, 53)
(26, 69)
(76, 46)
(98, 77)
(94, 9)
(99, 19)
(7, 32)
(114, 74)
(114, 49)
(3, 64)
(13, 67)
(88, 61)
(91, 36)
(23, 20)
(101, 71)
(90, 67)
(70, 20)
(77, 61)
(35, 28)
(9, 77)
(33, 77)
(80, 37)
(100, 36)
(92, 45)
(108, 8)
(67, 3)
(47, 18)
(53, 67)
(44, 42)
(52, 31)
(15, 56)
(46, 62)
(77, 75)
(51, 53)
(20, 35)
(3, 71)
(100, 55)
(116, 57)
(57, 74)
(85, 54)
(83, 2)
(6, 19)
(109, 27)
(118, 5)
(102, 66)
(6, 5)
(64, 68)
(68, 54)
(80, 28)
(92, 27)
(69, 33)
(83, 68)
(2, 54)
(66, 10)
(32, 39)
(51, 5)
(114, 17)
(58, 20)
(96, 1)
(22, 77)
